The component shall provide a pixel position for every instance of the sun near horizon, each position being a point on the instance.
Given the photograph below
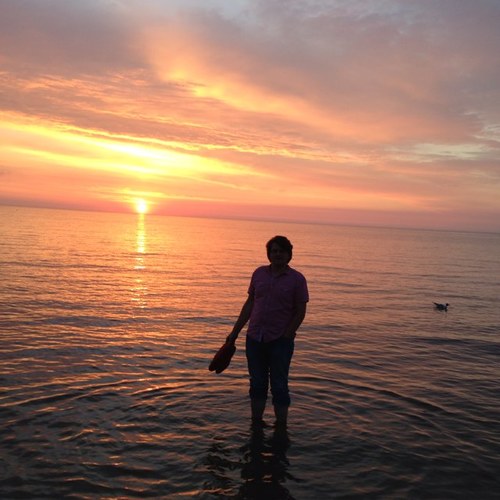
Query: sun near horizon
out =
(141, 206)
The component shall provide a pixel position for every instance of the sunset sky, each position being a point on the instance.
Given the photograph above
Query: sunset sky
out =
(355, 112)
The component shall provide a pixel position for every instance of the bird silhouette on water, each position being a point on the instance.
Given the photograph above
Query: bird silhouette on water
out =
(441, 307)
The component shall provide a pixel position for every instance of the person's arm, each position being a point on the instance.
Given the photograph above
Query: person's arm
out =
(244, 316)
(296, 321)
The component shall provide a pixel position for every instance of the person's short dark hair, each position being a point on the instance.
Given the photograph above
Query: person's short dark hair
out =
(283, 242)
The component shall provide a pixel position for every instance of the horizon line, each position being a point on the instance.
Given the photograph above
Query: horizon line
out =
(243, 218)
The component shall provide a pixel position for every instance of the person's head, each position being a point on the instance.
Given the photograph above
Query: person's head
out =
(282, 243)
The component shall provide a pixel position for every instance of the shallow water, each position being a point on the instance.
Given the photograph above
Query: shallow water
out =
(109, 322)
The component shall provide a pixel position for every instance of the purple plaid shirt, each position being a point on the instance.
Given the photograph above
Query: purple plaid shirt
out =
(275, 301)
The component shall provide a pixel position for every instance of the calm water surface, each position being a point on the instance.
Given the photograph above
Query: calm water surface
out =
(108, 323)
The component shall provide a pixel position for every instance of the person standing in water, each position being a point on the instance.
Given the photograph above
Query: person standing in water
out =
(275, 309)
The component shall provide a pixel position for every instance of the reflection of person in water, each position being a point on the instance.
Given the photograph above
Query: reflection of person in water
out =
(265, 465)
(262, 464)
(275, 308)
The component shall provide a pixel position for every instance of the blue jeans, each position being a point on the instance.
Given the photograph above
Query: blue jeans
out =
(270, 361)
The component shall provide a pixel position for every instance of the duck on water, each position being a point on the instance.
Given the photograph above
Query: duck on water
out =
(441, 307)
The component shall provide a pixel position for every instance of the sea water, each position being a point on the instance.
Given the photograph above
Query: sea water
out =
(108, 323)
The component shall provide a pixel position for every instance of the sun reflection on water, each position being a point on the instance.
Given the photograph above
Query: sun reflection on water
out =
(140, 240)
(140, 289)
